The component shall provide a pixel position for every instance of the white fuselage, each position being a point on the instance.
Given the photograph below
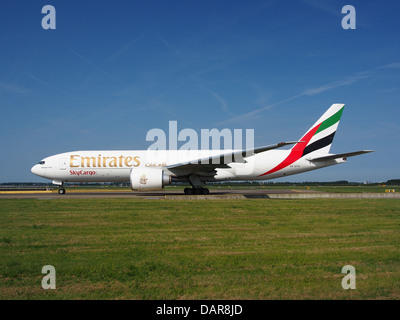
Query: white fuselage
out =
(116, 166)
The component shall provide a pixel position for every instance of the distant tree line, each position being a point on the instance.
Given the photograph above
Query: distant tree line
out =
(393, 182)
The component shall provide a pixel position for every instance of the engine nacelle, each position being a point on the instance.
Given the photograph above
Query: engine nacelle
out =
(148, 179)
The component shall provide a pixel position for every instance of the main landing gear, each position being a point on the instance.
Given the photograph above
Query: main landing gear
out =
(196, 183)
(196, 190)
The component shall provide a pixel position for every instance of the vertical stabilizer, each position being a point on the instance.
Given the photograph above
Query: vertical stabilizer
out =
(318, 139)
(320, 136)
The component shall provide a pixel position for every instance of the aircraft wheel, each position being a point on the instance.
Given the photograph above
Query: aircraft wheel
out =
(61, 191)
(205, 191)
(188, 191)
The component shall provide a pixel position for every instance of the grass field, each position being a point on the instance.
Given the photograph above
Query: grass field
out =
(240, 249)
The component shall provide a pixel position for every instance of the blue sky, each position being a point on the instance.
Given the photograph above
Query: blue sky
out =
(113, 70)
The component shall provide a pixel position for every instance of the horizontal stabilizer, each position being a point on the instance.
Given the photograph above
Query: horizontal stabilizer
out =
(337, 156)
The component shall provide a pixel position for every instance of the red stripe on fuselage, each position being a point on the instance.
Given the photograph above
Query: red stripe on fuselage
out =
(296, 153)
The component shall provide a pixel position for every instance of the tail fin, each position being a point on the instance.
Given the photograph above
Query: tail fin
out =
(320, 136)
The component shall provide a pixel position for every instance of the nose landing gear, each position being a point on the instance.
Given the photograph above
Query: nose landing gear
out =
(61, 190)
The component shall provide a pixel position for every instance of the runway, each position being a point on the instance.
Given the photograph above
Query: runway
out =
(179, 195)
(170, 194)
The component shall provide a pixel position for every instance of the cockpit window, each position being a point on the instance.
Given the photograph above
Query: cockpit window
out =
(41, 162)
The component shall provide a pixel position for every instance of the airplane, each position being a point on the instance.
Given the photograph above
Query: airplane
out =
(150, 170)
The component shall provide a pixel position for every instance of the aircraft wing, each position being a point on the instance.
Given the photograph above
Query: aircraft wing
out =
(207, 166)
(341, 155)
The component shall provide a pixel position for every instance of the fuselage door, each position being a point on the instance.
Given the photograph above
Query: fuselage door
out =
(63, 164)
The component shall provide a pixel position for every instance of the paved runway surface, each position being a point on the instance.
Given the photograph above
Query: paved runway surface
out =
(217, 194)
(214, 194)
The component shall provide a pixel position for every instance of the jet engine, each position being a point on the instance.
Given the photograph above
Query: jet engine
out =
(147, 179)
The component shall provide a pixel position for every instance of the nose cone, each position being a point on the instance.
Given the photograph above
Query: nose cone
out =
(36, 169)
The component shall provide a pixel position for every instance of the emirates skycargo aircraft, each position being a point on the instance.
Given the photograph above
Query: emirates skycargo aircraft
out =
(153, 169)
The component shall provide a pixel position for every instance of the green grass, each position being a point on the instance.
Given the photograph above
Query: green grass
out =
(161, 249)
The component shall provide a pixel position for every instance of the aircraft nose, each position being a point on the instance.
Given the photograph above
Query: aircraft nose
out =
(35, 169)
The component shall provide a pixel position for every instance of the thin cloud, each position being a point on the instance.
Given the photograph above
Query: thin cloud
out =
(250, 115)
(224, 105)
(173, 49)
(395, 65)
(333, 85)
(308, 92)
(46, 84)
(125, 47)
(11, 88)
(90, 63)
(324, 6)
